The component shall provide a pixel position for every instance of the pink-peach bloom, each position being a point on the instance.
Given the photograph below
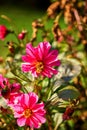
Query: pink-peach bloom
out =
(3, 32)
(28, 111)
(40, 60)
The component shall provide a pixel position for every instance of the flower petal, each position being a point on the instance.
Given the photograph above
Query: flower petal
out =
(32, 122)
(25, 67)
(21, 121)
(25, 101)
(27, 58)
(40, 118)
(38, 107)
(30, 50)
(33, 98)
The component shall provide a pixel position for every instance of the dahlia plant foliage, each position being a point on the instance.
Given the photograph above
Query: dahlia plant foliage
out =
(39, 79)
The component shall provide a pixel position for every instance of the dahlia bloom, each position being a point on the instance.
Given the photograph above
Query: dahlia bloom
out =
(3, 32)
(40, 60)
(28, 111)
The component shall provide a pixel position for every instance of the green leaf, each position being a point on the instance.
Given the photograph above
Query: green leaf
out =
(3, 102)
(16, 70)
(68, 93)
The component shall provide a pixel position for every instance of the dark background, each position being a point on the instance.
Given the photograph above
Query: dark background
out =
(39, 4)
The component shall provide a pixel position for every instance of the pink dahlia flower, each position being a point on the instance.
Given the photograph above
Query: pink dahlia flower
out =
(3, 32)
(40, 60)
(29, 112)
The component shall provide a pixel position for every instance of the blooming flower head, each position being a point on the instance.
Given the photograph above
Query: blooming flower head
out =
(3, 32)
(28, 111)
(40, 60)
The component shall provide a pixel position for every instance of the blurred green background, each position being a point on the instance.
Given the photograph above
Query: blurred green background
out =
(22, 13)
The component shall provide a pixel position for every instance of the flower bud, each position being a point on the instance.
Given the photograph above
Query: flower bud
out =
(21, 35)
(68, 113)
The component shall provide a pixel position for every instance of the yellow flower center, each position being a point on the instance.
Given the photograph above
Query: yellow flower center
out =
(27, 113)
(39, 67)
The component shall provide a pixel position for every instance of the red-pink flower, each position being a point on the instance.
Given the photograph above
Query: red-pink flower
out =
(40, 60)
(3, 32)
(6, 89)
(3, 82)
(28, 111)
(15, 87)
(14, 99)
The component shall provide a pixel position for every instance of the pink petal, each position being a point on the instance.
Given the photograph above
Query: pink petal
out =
(33, 122)
(41, 112)
(28, 58)
(33, 98)
(40, 118)
(51, 70)
(38, 107)
(30, 50)
(29, 122)
(46, 73)
(54, 63)
(44, 48)
(25, 67)
(21, 121)
(18, 115)
(53, 53)
(18, 108)
(25, 101)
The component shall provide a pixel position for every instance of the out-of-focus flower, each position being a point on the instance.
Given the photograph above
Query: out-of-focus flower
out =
(40, 60)
(3, 32)
(21, 35)
(14, 99)
(28, 111)
(15, 87)
(68, 113)
(3, 82)
(6, 89)
(14, 94)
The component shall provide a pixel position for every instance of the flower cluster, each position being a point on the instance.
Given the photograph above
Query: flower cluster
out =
(40, 61)
(25, 107)
(35, 79)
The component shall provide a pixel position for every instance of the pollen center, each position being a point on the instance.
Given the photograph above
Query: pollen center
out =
(39, 67)
(27, 113)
